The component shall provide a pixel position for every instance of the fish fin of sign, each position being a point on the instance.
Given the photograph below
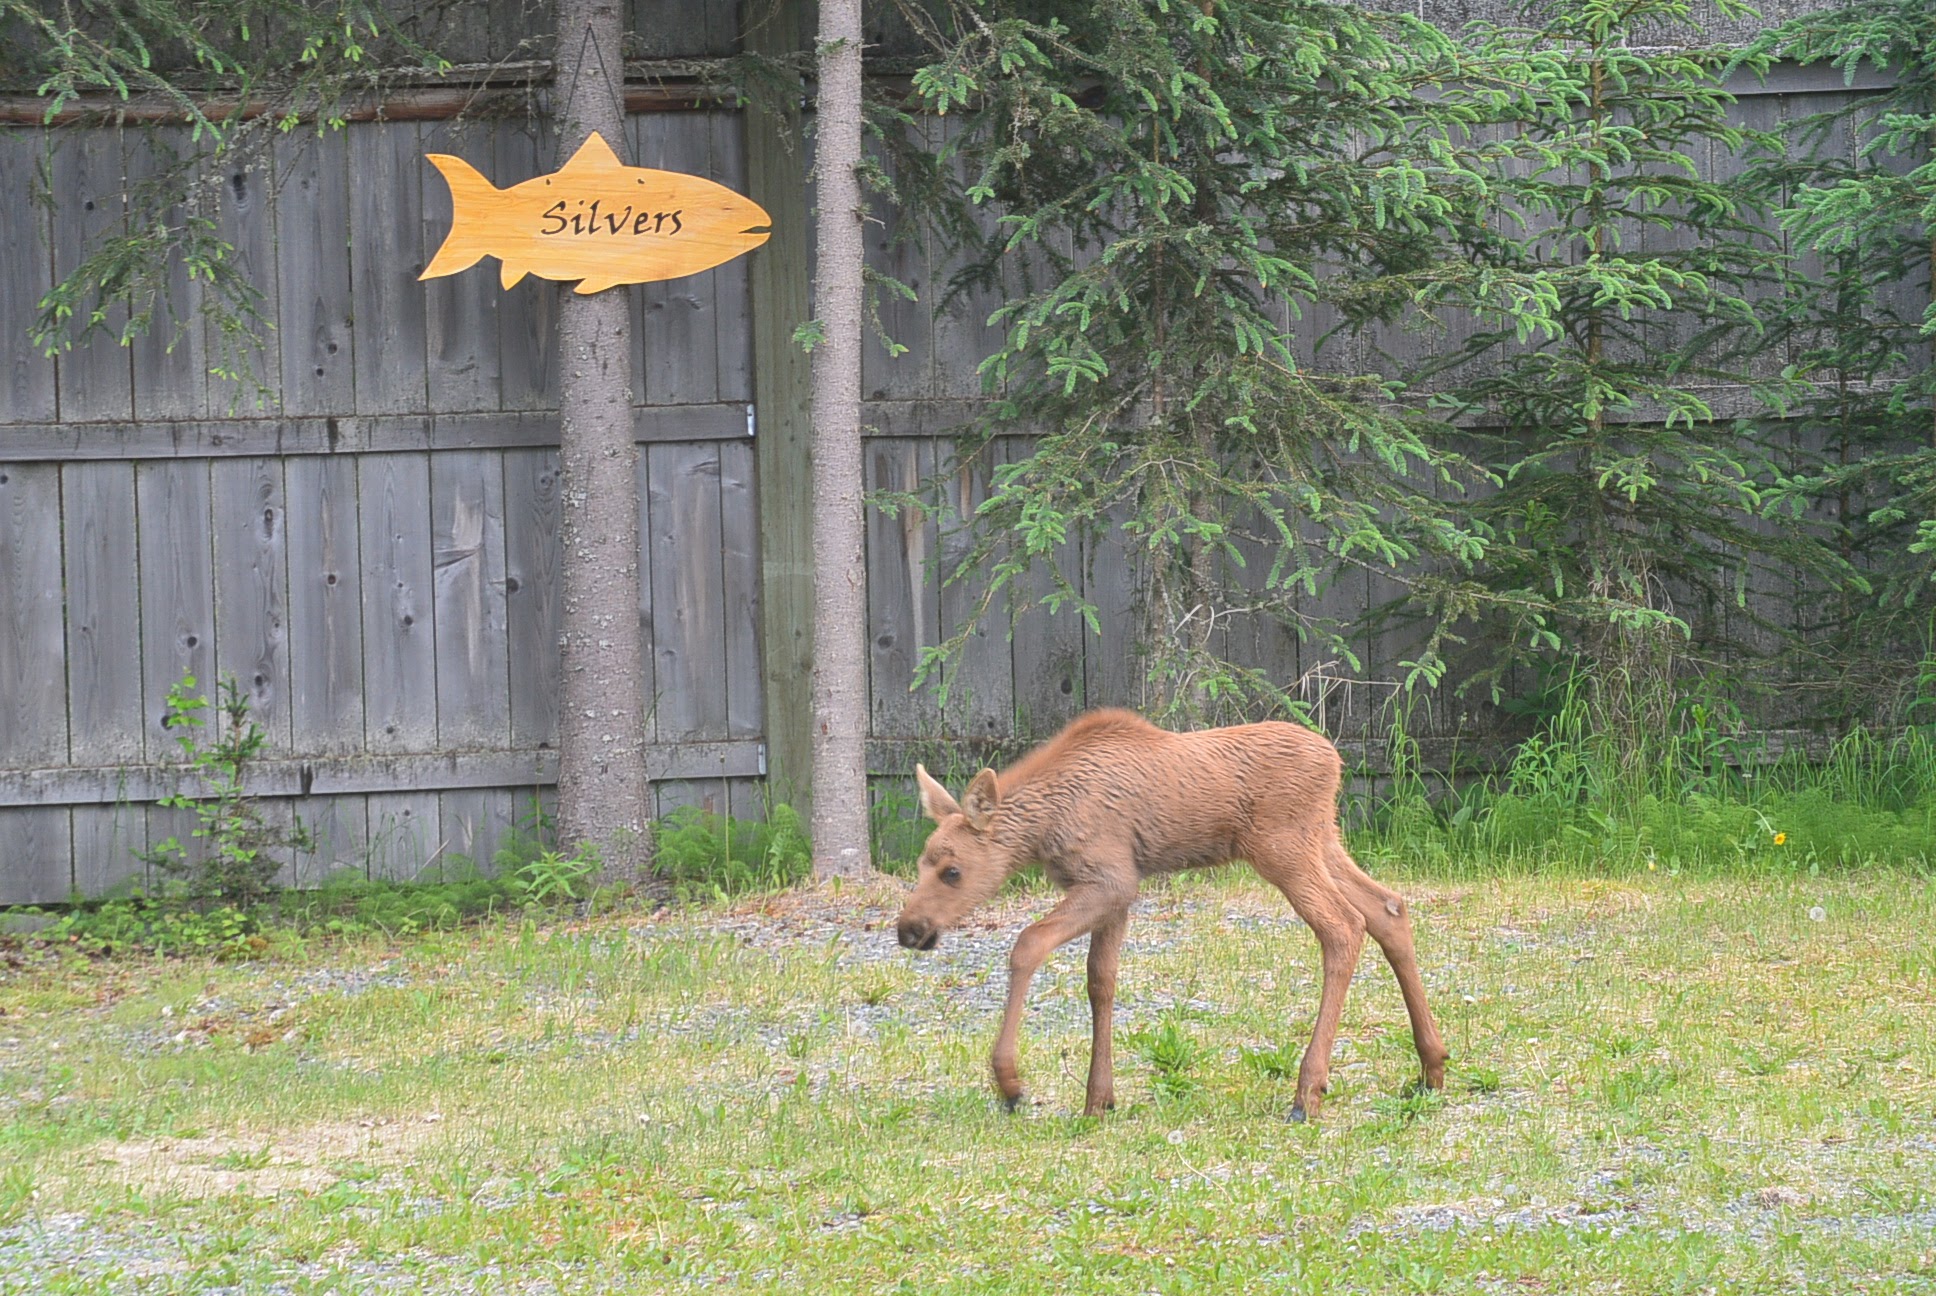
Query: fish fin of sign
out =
(509, 273)
(593, 155)
(596, 283)
(471, 196)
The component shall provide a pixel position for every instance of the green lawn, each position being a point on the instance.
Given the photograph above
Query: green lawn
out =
(1658, 1084)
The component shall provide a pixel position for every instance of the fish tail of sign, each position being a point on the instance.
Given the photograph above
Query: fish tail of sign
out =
(471, 196)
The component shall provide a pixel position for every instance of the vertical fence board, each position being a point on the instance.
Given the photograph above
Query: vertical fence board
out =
(732, 295)
(739, 542)
(325, 606)
(1110, 581)
(339, 833)
(399, 634)
(95, 378)
(406, 837)
(252, 589)
(106, 838)
(460, 310)
(896, 250)
(312, 220)
(701, 794)
(103, 614)
(648, 645)
(902, 614)
(170, 356)
(476, 823)
(36, 845)
(467, 538)
(1049, 671)
(177, 592)
(532, 555)
(27, 378)
(981, 683)
(527, 314)
(689, 615)
(33, 643)
(386, 256)
(247, 220)
(676, 357)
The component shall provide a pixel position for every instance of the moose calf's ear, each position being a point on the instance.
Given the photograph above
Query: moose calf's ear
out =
(984, 794)
(935, 800)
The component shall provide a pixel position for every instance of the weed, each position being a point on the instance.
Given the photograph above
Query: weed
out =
(1171, 1052)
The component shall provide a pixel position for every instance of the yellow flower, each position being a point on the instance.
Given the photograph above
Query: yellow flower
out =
(1781, 839)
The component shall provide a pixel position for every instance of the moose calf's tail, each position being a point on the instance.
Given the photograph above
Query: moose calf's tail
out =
(472, 197)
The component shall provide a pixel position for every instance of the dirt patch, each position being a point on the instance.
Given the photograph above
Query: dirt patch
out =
(308, 1159)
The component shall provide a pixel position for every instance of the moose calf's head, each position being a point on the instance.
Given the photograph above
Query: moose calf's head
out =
(962, 865)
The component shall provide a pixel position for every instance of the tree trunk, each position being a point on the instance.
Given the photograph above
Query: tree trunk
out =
(602, 791)
(840, 577)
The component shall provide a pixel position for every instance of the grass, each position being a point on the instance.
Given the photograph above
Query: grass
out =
(1712, 1082)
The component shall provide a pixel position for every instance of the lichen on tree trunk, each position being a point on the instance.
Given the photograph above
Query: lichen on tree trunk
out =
(602, 790)
(840, 601)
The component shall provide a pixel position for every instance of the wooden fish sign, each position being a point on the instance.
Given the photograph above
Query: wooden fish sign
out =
(595, 220)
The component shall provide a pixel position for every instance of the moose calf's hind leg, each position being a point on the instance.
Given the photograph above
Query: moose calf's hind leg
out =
(1297, 870)
(1105, 949)
(1389, 923)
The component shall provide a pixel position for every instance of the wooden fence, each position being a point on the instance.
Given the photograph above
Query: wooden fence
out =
(371, 549)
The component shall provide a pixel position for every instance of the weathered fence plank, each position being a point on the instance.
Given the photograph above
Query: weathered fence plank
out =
(460, 311)
(177, 593)
(95, 378)
(399, 633)
(981, 700)
(103, 613)
(33, 647)
(386, 248)
(676, 356)
(475, 823)
(407, 842)
(315, 296)
(739, 547)
(252, 351)
(532, 555)
(732, 295)
(106, 841)
(170, 356)
(339, 831)
(467, 539)
(688, 593)
(27, 379)
(35, 849)
(1050, 675)
(325, 606)
(903, 617)
(252, 589)
(527, 313)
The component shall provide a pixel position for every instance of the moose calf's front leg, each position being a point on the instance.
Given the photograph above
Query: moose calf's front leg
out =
(1078, 913)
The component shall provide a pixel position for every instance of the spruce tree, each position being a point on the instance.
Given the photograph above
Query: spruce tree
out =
(1189, 198)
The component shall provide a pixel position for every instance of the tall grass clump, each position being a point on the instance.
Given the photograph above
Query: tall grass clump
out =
(1703, 791)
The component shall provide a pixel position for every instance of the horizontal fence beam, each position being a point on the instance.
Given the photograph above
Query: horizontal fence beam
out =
(349, 775)
(348, 434)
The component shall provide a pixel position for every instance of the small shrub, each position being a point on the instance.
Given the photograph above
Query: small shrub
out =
(243, 851)
(708, 856)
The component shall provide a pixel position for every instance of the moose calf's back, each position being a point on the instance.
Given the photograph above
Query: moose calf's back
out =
(1172, 800)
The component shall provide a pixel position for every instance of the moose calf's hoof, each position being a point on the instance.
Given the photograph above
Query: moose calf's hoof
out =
(1296, 1116)
(1010, 1104)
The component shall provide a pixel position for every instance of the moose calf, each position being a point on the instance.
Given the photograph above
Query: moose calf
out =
(1111, 800)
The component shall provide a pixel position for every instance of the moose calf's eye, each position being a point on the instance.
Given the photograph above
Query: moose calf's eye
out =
(951, 875)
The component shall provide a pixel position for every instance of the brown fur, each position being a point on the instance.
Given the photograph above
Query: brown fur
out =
(1112, 800)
